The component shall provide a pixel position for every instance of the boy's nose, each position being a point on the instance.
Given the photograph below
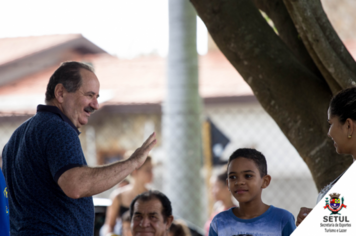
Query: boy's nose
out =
(239, 182)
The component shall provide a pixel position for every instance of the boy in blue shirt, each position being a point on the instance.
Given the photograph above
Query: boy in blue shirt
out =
(4, 208)
(246, 177)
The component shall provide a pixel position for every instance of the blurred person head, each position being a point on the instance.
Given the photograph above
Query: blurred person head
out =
(151, 214)
(342, 118)
(179, 228)
(126, 224)
(220, 189)
(144, 174)
(74, 89)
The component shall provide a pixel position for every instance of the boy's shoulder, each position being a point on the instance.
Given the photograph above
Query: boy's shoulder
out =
(277, 213)
(224, 214)
(281, 212)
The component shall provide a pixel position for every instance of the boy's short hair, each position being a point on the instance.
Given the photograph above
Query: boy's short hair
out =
(249, 153)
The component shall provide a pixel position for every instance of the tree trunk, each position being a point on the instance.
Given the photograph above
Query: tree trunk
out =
(286, 74)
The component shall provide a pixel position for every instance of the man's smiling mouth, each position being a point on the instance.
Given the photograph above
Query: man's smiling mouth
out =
(89, 110)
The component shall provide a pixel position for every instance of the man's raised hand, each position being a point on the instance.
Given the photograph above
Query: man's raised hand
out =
(141, 153)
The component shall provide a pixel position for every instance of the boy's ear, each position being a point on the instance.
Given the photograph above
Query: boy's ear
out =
(266, 181)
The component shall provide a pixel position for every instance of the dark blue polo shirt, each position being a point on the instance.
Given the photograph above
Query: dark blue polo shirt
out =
(37, 154)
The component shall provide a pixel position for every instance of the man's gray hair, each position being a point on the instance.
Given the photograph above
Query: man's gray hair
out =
(68, 74)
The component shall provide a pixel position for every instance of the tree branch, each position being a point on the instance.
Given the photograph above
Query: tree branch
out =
(331, 35)
(277, 11)
(342, 75)
(333, 85)
(295, 98)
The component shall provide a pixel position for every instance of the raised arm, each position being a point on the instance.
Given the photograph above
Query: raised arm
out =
(86, 181)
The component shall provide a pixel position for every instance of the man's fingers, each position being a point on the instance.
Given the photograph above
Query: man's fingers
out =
(150, 146)
(149, 140)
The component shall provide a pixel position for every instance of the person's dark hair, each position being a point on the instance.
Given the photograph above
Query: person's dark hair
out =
(147, 196)
(68, 74)
(343, 104)
(257, 157)
(222, 177)
(126, 217)
(177, 229)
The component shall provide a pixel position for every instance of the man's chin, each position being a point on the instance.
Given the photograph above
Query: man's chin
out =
(82, 123)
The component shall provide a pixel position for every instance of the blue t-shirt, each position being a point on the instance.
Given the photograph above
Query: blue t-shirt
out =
(274, 222)
(37, 154)
(4, 208)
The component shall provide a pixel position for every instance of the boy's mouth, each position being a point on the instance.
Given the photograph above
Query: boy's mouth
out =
(241, 191)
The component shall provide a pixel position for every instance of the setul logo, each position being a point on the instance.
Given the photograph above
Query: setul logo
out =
(335, 222)
(335, 205)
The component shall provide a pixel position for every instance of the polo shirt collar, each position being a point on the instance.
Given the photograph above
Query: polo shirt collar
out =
(55, 110)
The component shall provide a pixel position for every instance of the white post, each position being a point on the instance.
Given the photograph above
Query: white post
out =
(181, 117)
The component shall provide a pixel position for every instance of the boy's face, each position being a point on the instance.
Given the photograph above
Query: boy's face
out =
(244, 180)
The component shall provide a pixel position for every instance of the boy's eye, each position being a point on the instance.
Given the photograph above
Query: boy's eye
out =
(248, 176)
(232, 177)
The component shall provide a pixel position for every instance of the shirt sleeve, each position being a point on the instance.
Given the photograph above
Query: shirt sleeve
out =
(212, 231)
(63, 151)
(289, 227)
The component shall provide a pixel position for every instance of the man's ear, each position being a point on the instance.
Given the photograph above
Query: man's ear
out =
(169, 222)
(266, 181)
(59, 91)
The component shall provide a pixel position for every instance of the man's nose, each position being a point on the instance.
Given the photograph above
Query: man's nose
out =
(145, 222)
(95, 104)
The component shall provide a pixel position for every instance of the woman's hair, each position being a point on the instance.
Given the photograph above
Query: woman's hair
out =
(343, 104)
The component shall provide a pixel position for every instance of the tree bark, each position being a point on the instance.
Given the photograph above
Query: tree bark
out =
(288, 88)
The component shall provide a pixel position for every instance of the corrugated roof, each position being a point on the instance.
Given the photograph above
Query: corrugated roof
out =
(15, 48)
